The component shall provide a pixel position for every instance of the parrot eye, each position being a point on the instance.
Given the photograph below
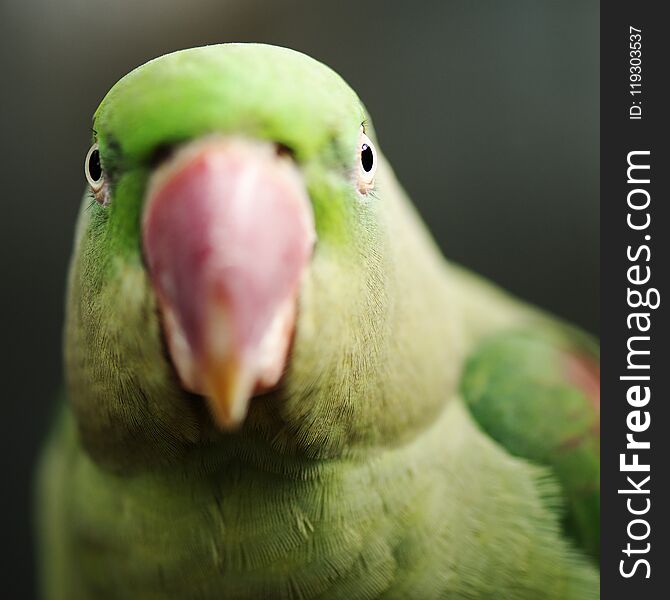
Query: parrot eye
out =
(94, 173)
(367, 157)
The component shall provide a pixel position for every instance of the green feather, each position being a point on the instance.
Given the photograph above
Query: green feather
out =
(519, 390)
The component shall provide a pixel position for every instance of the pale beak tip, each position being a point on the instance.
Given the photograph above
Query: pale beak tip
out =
(228, 390)
(226, 419)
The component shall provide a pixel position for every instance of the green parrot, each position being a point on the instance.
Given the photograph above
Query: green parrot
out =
(276, 387)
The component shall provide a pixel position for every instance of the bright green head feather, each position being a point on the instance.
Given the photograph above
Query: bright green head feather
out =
(262, 92)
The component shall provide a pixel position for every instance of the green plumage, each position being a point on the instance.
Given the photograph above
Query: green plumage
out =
(518, 388)
(402, 456)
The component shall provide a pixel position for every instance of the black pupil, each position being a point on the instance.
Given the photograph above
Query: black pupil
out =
(366, 158)
(94, 168)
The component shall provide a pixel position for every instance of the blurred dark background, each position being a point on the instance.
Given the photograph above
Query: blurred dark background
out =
(488, 110)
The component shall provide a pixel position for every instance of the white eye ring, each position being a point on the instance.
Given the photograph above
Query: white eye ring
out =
(93, 169)
(367, 163)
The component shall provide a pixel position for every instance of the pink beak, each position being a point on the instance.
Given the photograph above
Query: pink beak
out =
(228, 232)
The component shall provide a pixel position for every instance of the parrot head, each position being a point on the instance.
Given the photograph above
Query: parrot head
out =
(230, 262)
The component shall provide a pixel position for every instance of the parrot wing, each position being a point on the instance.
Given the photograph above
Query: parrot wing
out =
(539, 397)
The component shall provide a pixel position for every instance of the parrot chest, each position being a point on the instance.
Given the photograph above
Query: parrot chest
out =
(237, 532)
(402, 522)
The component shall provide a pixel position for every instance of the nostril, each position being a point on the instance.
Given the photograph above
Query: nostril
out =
(161, 154)
(284, 150)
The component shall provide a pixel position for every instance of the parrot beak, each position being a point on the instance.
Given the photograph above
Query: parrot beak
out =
(228, 232)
